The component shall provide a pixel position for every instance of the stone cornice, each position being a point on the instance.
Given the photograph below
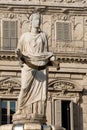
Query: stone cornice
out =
(61, 57)
(44, 6)
(8, 55)
(71, 57)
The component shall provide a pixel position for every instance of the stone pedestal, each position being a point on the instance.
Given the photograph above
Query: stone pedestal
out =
(25, 126)
(30, 118)
(28, 126)
(6, 127)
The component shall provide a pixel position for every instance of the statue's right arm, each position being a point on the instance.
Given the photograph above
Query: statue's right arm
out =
(20, 43)
(19, 50)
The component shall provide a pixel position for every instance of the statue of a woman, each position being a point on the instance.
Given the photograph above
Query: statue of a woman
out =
(33, 82)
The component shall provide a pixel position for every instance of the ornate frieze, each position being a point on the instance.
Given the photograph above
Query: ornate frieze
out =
(8, 14)
(71, 58)
(9, 86)
(62, 89)
(8, 55)
(63, 86)
(64, 57)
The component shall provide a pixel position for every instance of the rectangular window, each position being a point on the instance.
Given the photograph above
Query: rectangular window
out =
(9, 35)
(62, 113)
(66, 114)
(4, 112)
(63, 32)
(8, 108)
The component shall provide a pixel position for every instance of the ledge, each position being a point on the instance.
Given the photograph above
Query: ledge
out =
(71, 57)
(8, 55)
(43, 6)
(61, 57)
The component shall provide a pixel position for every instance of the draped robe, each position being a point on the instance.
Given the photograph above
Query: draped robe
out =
(33, 82)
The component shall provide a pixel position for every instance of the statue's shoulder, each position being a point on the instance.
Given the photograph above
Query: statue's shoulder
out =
(43, 34)
(26, 34)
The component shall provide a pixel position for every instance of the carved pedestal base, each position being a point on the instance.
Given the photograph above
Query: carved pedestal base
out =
(34, 113)
(25, 126)
(32, 126)
(30, 118)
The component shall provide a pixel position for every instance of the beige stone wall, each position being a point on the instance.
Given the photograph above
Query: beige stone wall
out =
(75, 73)
(70, 70)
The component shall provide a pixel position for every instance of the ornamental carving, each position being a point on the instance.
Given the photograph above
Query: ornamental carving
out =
(63, 85)
(8, 15)
(64, 89)
(8, 86)
(8, 83)
(62, 17)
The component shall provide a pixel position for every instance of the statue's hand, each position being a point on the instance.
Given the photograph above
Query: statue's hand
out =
(53, 58)
(20, 56)
(18, 53)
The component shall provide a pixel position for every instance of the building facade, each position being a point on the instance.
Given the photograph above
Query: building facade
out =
(65, 23)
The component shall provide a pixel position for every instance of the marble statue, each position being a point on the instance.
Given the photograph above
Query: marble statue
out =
(33, 50)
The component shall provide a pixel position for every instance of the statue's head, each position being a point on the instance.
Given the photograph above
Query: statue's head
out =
(35, 20)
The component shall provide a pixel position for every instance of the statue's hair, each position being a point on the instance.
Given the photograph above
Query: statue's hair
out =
(36, 15)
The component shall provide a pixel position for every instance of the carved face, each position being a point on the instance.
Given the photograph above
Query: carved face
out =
(36, 21)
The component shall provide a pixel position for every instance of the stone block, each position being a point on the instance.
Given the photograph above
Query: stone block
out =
(32, 126)
(76, 76)
(8, 73)
(6, 127)
(51, 75)
(62, 75)
(25, 126)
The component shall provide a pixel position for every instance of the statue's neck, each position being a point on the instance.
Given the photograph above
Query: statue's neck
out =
(34, 31)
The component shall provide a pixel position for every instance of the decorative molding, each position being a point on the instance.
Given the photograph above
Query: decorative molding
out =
(71, 58)
(64, 86)
(8, 55)
(41, 1)
(62, 17)
(61, 89)
(21, 6)
(9, 15)
(61, 57)
(9, 86)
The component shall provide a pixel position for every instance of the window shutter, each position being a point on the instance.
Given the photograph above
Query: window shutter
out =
(48, 111)
(58, 120)
(74, 116)
(9, 35)
(6, 35)
(0, 111)
(13, 29)
(13, 34)
(63, 32)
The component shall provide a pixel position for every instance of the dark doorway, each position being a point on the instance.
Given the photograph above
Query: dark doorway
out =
(66, 114)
